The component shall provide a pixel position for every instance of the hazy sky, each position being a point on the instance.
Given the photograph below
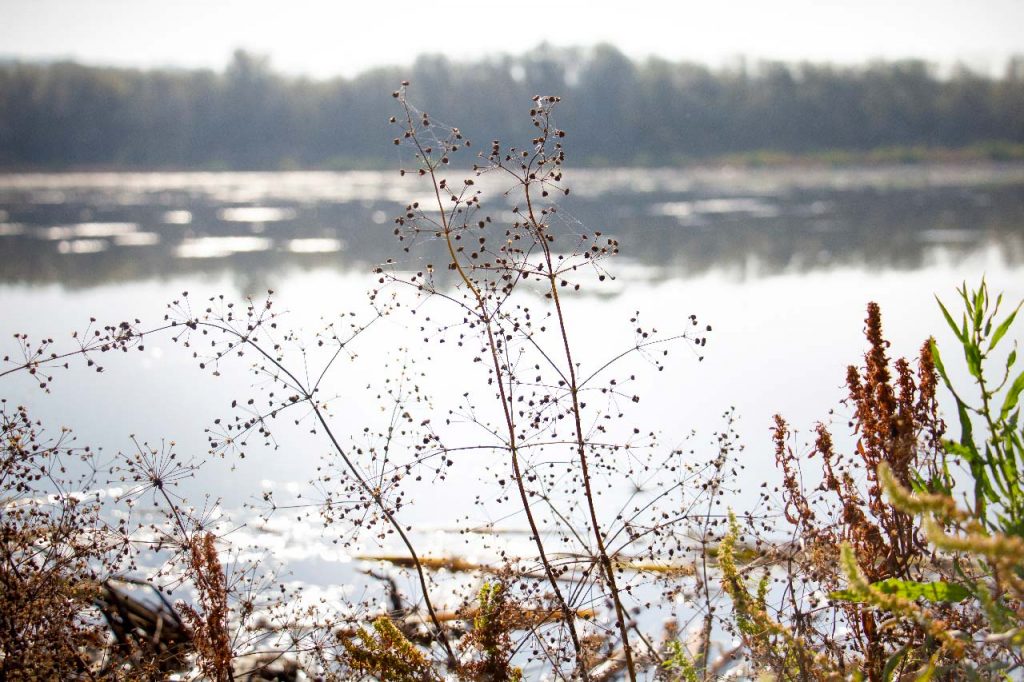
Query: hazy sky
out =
(325, 38)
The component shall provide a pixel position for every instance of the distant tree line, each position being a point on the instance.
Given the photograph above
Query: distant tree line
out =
(618, 111)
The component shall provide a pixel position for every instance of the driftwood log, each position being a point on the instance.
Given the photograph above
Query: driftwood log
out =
(153, 636)
(144, 633)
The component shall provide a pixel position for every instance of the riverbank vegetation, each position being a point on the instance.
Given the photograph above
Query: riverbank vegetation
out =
(898, 559)
(652, 113)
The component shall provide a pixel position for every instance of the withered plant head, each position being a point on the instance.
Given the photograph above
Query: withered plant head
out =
(895, 423)
(42, 356)
(208, 619)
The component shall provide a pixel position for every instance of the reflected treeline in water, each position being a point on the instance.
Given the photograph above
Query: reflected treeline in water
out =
(809, 228)
(83, 230)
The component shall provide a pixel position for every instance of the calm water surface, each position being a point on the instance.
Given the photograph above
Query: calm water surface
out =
(780, 262)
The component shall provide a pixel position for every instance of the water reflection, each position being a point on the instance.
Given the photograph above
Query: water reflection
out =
(116, 246)
(83, 230)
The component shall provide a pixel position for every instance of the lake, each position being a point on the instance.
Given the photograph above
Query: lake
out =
(779, 262)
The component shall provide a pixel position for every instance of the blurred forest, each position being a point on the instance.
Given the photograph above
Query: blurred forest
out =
(618, 111)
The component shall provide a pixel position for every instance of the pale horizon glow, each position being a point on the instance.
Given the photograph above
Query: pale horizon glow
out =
(321, 38)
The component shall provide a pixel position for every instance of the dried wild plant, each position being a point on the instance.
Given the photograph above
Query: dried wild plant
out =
(896, 422)
(209, 619)
(554, 423)
(55, 550)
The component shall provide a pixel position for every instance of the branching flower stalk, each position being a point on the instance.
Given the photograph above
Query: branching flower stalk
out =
(39, 357)
(307, 394)
(485, 315)
(530, 169)
(486, 279)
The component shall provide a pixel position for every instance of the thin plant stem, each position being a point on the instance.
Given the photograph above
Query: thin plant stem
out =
(605, 560)
(374, 494)
(487, 320)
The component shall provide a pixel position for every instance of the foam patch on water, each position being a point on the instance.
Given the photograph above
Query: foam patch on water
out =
(315, 245)
(88, 230)
(177, 218)
(82, 246)
(683, 210)
(221, 247)
(137, 239)
(255, 214)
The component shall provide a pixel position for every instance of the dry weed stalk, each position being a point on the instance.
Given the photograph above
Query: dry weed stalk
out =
(486, 296)
(500, 266)
(54, 552)
(898, 433)
(209, 622)
(254, 330)
(493, 622)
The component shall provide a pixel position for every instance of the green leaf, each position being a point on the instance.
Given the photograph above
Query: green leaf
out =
(1012, 396)
(979, 307)
(943, 592)
(973, 355)
(949, 320)
(966, 428)
(939, 366)
(938, 591)
(1004, 327)
(965, 452)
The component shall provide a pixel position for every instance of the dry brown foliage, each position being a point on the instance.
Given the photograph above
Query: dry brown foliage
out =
(53, 553)
(493, 622)
(896, 423)
(209, 622)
